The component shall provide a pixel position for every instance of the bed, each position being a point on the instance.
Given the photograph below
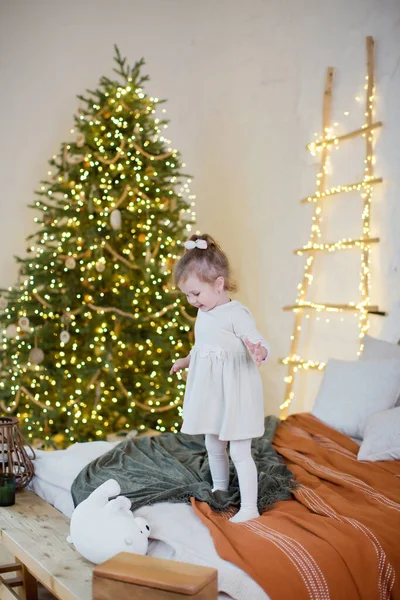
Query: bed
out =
(336, 538)
(36, 528)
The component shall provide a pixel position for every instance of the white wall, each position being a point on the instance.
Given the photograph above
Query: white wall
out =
(244, 82)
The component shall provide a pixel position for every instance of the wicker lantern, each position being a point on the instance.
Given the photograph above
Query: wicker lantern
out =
(13, 455)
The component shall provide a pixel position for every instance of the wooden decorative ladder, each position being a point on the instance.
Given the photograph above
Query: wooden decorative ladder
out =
(328, 142)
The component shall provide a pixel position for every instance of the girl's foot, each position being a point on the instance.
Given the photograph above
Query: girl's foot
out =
(245, 514)
(219, 489)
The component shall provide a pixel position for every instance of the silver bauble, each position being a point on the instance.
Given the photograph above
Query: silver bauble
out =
(100, 266)
(23, 322)
(65, 337)
(36, 355)
(70, 263)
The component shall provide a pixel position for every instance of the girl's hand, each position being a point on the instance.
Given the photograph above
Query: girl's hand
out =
(179, 365)
(257, 351)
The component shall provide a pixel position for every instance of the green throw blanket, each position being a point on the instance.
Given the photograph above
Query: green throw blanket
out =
(174, 467)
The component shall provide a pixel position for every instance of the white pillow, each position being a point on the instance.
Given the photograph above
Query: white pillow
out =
(375, 349)
(60, 467)
(54, 495)
(381, 436)
(391, 324)
(352, 390)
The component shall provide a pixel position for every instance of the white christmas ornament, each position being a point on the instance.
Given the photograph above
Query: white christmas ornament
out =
(11, 331)
(65, 337)
(23, 322)
(100, 266)
(3, 303)
(70, 263)
(116, 219)
(82, 196)
(80, 140)
(36, 355)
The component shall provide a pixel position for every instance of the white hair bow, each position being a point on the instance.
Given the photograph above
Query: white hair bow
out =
(191, 244)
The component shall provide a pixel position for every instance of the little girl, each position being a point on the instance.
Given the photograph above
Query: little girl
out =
(223, 397)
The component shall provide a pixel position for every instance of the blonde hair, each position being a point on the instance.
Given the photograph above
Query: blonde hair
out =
(208, 264)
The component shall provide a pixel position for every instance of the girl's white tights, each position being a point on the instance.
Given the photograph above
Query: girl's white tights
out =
(240, 451)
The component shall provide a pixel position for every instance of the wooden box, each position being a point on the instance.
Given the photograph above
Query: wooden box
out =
(131, 576)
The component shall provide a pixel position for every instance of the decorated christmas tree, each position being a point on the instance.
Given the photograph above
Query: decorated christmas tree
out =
(94, 323)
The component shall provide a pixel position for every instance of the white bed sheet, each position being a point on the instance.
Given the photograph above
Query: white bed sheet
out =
(177, 533)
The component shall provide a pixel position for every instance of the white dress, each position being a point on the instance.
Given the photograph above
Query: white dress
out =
(224, 391)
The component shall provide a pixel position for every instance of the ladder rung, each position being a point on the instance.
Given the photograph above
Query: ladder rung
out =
(300, 363)
(331, 307)
(12, 582)
(380, 313)
(339, 245)
(312, 146)
(342, 189)
(8, 568)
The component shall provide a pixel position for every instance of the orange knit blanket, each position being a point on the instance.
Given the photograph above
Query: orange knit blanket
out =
(337, 538)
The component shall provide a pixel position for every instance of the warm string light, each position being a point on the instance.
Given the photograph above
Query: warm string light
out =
(299, 363)
(344, 244)
(361, 309)
(341, 189)
(330, 139)
(335, 308)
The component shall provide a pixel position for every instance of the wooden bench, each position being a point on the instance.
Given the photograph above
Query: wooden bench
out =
(35, 534)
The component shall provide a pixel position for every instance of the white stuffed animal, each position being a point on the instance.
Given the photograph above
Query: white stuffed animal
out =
(101, 528)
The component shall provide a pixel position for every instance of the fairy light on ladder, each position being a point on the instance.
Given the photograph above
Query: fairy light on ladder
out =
(324, 145)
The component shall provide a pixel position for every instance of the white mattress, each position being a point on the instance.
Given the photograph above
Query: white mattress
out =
(177, 533)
